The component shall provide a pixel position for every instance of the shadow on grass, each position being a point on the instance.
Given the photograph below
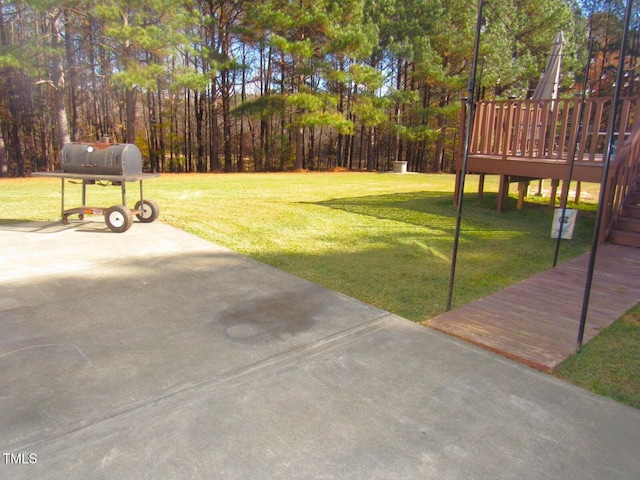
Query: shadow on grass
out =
(403, 262)
(435, 210)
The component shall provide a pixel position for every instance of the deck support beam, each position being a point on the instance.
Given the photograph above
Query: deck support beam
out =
(480, 188)
(523, 188)
(554, 191)
(503, 191)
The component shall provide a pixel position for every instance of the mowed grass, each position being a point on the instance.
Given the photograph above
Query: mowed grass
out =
(610, 363)
(384, 239)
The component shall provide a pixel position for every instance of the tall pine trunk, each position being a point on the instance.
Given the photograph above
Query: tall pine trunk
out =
(8, 74)
(59, 81)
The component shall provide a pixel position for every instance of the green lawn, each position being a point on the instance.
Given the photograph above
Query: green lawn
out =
(610, 363)
(382, 238)
(385, 239)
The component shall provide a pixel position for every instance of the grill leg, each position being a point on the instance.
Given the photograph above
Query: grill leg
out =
(62, 197)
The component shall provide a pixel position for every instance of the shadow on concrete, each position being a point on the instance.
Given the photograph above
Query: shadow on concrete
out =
(155, 354)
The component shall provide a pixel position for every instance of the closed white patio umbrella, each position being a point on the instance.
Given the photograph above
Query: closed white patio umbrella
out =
(547, 88)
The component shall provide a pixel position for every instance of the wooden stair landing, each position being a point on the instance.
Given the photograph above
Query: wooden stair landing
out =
(536, 321)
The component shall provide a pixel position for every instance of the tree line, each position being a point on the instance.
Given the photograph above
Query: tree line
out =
(271, 85)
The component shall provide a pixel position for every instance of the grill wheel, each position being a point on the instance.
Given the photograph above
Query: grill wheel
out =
(149, 211)
(118, 218)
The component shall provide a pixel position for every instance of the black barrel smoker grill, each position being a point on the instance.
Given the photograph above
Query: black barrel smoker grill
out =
(105, 163)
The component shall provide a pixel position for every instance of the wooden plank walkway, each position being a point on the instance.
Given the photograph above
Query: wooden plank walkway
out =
(536, 321)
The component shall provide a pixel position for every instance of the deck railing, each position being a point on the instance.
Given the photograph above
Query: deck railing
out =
(548, 130)
(623, 174)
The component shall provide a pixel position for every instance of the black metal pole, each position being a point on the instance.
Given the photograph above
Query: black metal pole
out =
(605, 175)
(465, 156)
(565, 191)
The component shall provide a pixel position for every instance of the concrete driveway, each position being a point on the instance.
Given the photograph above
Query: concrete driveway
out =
(156, 354)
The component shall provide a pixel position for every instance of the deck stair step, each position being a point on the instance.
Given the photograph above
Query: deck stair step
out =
(628, 224)
(631, 211)
(623, 237)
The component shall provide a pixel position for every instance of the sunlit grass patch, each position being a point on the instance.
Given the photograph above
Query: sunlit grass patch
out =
(610, 363)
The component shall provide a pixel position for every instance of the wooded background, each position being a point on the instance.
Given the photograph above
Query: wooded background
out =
(223, 85)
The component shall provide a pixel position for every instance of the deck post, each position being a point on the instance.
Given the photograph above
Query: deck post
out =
(523, 187)
(578, 188)
(503, 191)
(554, 191)
(480, 188)
(566, 188)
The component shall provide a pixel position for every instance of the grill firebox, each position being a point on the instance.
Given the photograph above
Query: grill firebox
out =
(101, 158)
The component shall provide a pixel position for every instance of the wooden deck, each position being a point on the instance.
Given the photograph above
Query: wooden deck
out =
(525, 140)
(536, 321)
